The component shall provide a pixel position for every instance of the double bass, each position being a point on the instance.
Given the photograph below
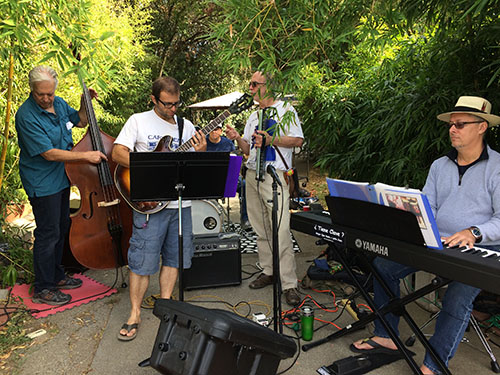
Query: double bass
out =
(102, 226)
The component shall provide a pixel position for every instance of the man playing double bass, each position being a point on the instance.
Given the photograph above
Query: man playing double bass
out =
(155, 236)
(43, 124)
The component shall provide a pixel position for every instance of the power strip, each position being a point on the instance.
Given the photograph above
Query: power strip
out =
(261, 319)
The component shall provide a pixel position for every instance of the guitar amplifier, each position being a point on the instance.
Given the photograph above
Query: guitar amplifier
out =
(216, 261)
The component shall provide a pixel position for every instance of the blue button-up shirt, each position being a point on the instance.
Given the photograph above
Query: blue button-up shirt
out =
(38, 131)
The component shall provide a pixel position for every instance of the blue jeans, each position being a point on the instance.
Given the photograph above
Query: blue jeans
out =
(451, 322)
(52, 224)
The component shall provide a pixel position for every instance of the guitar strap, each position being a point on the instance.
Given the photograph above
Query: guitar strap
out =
(282, 158)
(180, 125)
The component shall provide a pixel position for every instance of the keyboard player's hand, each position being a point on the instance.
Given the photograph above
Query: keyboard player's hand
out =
(462, 238)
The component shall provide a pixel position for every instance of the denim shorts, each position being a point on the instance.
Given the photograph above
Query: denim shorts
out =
(158, 236)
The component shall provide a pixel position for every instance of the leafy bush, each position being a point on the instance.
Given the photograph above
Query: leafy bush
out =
(376, 121)
(16, 258)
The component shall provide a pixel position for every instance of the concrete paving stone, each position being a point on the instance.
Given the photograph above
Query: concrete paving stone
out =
(83, 340)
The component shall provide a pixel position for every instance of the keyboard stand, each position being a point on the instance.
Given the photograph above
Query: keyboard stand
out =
(388, 222)
(395, 306)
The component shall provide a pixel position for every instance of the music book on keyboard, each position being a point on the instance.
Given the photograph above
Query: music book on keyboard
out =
(412, 200)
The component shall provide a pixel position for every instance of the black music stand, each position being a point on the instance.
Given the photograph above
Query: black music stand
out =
(352, 217)
(164, 176)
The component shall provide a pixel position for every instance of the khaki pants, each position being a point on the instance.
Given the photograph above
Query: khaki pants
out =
(260, 216)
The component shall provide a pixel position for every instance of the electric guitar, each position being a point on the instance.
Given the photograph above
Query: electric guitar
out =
(122, 174)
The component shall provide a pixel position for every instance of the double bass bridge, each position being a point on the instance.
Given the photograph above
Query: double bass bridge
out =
(108, 204)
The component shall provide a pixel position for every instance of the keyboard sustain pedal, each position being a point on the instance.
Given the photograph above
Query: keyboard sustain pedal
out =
(360, 364)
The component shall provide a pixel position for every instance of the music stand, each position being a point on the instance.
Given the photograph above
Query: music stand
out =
(167, 176)
(354, 217)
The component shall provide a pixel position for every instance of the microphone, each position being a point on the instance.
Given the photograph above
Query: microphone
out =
(272, 171)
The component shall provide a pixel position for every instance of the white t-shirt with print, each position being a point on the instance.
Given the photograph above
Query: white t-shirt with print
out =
(291, 129)
(143, 131)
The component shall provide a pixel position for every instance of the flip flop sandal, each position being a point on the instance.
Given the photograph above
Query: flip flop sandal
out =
(376, 348)
(128, 327)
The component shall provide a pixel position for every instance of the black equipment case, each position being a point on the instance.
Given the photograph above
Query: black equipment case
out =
(193, 340)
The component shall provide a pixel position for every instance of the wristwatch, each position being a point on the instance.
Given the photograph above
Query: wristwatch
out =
(476, 233)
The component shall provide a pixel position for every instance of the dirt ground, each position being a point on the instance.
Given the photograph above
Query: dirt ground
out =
(317, 185)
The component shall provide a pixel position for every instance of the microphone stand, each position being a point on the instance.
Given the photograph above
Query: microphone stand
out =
(278, 322)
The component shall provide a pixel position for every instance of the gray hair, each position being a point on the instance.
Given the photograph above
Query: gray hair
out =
(42, 73)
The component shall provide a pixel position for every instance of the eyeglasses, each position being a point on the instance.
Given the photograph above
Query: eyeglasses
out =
(254, 84)
(170, 105)
(461, 124)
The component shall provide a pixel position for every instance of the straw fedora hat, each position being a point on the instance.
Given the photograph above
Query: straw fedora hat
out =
(472, 105)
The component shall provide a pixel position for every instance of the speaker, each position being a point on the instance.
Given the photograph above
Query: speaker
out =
(216, 262)
(198, 341)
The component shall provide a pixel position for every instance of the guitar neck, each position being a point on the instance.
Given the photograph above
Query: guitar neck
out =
(206, 130)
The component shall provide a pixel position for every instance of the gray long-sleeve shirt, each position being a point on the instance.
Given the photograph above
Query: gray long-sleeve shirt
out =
(473, 199)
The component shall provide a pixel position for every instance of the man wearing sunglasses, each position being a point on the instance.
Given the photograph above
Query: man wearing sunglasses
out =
(463, 188)
(258, 195)
(155, 236)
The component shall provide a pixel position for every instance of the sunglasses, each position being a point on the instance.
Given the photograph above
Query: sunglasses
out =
(170, 105)
(461, 124)
(254, 84)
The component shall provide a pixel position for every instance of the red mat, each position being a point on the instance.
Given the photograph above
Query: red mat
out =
(90, 290)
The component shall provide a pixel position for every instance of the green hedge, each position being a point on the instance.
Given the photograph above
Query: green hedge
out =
(375, 118)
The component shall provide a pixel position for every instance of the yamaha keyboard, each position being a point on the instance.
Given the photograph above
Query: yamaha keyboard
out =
(477, 267)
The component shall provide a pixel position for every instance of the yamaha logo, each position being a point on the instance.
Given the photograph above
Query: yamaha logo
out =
(372, 247)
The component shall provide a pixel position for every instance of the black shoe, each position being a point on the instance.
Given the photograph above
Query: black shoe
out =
(246, 226)
(291, 296)
(261, 281)
(69, 283)
(51, 297)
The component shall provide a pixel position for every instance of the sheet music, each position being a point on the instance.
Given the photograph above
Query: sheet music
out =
(411, 200)
(416, 202)
(362, 191)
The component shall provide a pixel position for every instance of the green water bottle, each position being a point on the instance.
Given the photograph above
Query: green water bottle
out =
(307, 322)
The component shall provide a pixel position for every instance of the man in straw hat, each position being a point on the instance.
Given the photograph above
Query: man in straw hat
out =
(463, 188)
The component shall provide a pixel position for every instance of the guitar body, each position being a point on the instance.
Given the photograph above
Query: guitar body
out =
(122, 182)
(164, 144)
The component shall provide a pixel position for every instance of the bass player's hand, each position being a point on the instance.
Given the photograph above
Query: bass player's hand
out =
(95, 157)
